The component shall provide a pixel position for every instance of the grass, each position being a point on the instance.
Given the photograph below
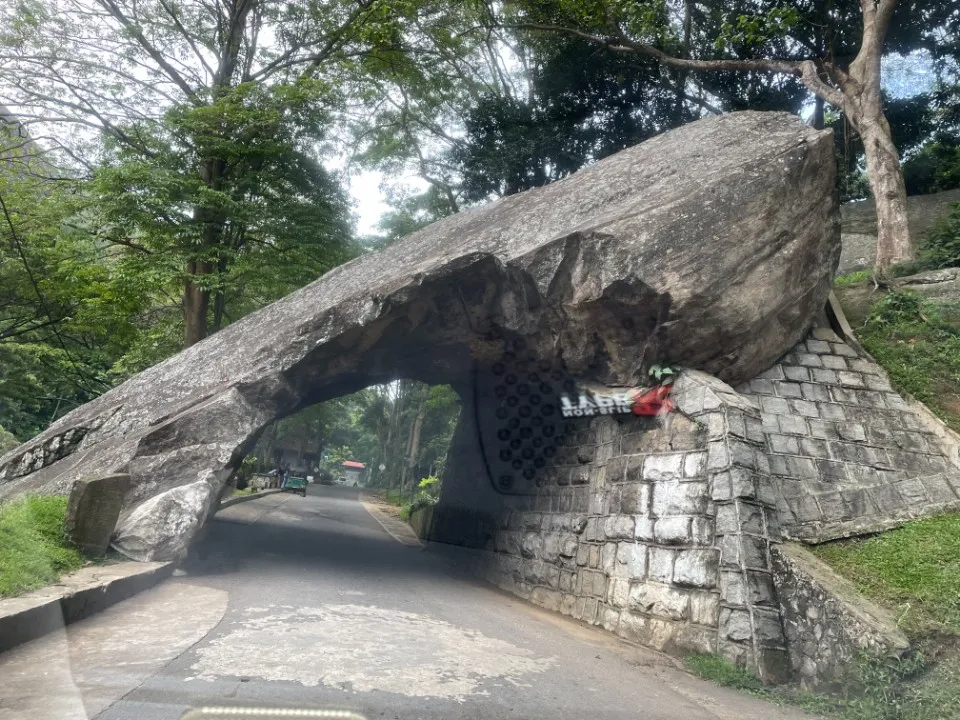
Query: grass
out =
(853, 278)
(886, 689)
(914, 569)
(918, 344)
(33, 550)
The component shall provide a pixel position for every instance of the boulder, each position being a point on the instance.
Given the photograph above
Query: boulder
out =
(712, 246)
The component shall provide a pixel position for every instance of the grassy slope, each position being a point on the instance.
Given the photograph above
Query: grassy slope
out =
(32, 548)
(913, 570)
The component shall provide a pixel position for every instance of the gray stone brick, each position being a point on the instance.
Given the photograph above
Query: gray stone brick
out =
(784, 444)
(778, 465)
(660, 564)
(826, 376)
(616, 469)
(813, 447)
(730, 551)
(751, 518)
(631, 561)
(733, 589)
(870, 455)
(935, 464)
(817, 346)
(735, 625)
(717, 456)
(635, 499)
(736, 425)
(887, 498)
(832, 362)
(801, 467)
(761, 587)
(824, 430)
(850, 379)
(910, 421)
(808, 360)
(913, 491)
(831, 471)
(696, 568)
(797, 374)
(770, 423)
(644, 528)
(939, 489)
(720, 486)
(672, 530)
(825, 333)
(618, 527)
(870, 398)
(789, 390)
(760, 386)
(659, 600)
(727, 521)
(875, 382)
(805, 508)
(852, 431)
(694, 464)
(753, 551)
(773, 373)
(768, 628)
(704, 608)
(804, 408)
(833, 507)
(816, 392)
(844, 452)
(688, 498)
(910, 462)
(754, 427)
(742, 483)
(583, 554)
(846, 396)
(895, 402)
(663, 467)
(793, 425)
(843, 349)
(774, 406)
(742, 454)
(911, 441)
(859, 503)
(702, 531)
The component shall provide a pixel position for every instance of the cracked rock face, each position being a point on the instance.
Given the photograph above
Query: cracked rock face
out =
(712, 247)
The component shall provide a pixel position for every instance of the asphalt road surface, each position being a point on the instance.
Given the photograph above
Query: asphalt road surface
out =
(308, 603)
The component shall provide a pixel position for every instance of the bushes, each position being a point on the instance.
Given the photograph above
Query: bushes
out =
(33, 549)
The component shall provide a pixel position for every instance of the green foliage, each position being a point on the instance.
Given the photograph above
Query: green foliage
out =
(33, 551)
(918, 344)
(940, 247)
(853, 278)
(8, 441)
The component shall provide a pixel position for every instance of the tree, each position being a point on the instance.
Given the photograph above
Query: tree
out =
(210, 115)
(851, 84)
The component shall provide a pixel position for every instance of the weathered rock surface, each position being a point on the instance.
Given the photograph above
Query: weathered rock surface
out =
(93, 510)
(712, 246)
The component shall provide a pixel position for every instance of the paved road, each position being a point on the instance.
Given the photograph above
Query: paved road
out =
(307, 602)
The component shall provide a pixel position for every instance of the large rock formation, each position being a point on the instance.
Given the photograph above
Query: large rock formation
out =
(712, 246)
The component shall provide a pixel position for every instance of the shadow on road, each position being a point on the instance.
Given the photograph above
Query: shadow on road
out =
(329, 529)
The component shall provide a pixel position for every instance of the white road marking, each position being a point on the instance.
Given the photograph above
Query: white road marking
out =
(362, 648)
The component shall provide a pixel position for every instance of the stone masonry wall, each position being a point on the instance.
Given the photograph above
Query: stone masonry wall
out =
(846, 452)
(656, 529)
(668, 531)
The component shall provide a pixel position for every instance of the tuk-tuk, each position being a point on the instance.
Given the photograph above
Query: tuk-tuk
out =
(295, 484)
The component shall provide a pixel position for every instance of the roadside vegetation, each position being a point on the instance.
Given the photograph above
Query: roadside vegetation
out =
(914, 570)
(33, 548)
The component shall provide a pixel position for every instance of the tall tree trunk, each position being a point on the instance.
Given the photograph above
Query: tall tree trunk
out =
(889, 193)
(196, 303)
(413, 443)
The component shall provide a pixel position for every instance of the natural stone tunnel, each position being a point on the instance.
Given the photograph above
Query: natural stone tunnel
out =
(711, 248)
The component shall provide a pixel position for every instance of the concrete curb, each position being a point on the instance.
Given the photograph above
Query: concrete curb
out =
(246, 498)
(394, 527)
(75, 597)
